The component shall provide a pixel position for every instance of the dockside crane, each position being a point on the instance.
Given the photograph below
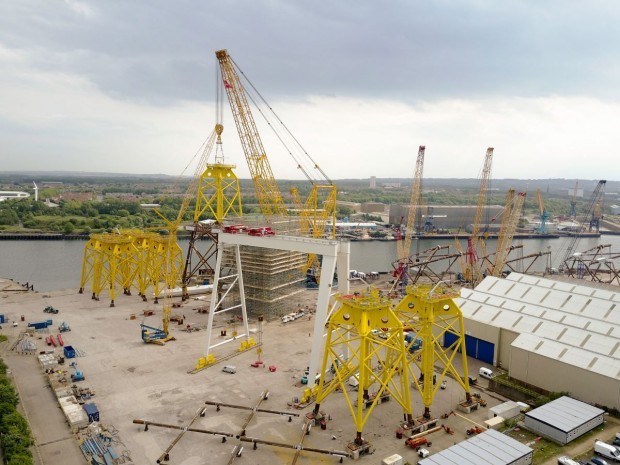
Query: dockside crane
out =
(573, 202)
(403, 247)
(472, 272)
(544, 214)
(595, 199)
(514, 204)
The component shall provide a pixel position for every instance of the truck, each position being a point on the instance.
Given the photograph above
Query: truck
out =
(417, 443)
(607, 450)
(40, 324)
(413, 342)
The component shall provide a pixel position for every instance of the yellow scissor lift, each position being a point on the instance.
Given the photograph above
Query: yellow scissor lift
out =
(365, 327)
(431, 312)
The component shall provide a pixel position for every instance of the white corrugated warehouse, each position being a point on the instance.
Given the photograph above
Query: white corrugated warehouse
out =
(487, 448)
(558, 335)
(564, 419)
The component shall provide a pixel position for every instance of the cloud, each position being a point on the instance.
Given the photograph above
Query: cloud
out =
(130, 86)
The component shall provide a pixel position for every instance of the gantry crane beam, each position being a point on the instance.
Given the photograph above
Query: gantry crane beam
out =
(267, 190)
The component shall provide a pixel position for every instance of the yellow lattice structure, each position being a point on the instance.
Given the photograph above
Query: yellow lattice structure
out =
(129, 259)
(431, 313)
(365, 327)
(109, 261)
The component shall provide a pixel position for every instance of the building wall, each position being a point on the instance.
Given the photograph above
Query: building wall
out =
(485, 332)
(444, 216)
(586, 427)
(502, 351)
(556, 376)
(525, 460)
(545, 430)
(372, 207)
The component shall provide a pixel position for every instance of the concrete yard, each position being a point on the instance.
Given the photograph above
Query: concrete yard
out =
(134, 380)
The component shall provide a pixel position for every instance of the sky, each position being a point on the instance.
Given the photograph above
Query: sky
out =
(131, 86)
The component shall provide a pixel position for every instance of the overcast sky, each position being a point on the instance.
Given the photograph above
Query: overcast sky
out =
(130, 86)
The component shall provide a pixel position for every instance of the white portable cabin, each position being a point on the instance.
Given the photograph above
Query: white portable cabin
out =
(506, 410)
(564, 419)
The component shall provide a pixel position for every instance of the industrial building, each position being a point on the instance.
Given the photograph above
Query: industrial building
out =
(487, 448)
(444, 216)
(564, 419)
(552, 334)
(506, 410)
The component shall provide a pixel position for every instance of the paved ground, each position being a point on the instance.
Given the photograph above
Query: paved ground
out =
(134, 380)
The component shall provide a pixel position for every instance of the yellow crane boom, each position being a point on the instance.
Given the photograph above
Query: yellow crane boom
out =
(414, 204)
(482, 195)
(512, 213)
(267, 191)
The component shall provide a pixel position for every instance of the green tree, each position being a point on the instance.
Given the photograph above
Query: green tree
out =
(8, 395)
(69, 227)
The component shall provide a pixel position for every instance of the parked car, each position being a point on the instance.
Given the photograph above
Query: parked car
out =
(598, 461)
(230, 369)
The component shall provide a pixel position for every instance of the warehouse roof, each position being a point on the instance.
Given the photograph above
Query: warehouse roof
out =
(564, 321)
(565, 413)
(487, 448)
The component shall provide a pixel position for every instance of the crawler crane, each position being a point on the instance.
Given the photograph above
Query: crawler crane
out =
(320, 206)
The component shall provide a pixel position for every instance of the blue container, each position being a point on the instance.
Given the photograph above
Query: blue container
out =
(69, 352)
(1, 318)
(92, 411)
(39, 325)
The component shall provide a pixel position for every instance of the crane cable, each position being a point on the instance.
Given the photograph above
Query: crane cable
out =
(278, 135)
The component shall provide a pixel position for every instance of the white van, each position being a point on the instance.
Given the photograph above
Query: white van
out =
(230, 369)
(607, 450)
(485, 373)
(566, 461)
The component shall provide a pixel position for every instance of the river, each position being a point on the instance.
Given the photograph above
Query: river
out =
(55, 265)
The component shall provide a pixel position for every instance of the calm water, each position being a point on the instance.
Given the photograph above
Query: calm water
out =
(54, 265)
